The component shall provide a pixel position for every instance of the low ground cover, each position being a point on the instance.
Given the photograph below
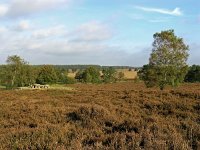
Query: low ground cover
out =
(122, 115)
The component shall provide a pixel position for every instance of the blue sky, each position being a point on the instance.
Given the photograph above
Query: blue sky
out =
(105, 32)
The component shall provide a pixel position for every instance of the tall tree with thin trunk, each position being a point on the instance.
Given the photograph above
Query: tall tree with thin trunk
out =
(168, 60)
(16, 71)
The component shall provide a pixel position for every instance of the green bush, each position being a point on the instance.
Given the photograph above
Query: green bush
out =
(70, 80)
(109, 75)
(193, 74)
(89, 75)
(47, 74)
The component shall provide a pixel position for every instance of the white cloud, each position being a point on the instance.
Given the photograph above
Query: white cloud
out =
(56, 45)
(56, 39)
(3, 9)
(16, 8)
(22, 25)
(175, 12)
(60, 40)
(58, 30)
(3, 30)
(93, 31)
(63, 47)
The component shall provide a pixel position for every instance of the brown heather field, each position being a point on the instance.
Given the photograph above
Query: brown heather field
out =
(107, 116)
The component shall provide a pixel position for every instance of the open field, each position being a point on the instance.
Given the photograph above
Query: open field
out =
(107, 116)
(127, 74)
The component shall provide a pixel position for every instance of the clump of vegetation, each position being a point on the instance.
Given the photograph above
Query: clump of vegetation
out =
(109, 75)
(193, 74)
(69, 80)
(17, 73)
(89, 75)
(47, 74)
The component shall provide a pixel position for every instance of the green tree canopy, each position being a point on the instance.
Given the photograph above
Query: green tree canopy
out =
(193, 74)
(47, 75)
(79, 75)
(168, 60)
(109, 75)
(148, 75)
(89, 75)
(16, 72)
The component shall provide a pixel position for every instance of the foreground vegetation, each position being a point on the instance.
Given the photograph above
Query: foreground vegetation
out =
(107, 116)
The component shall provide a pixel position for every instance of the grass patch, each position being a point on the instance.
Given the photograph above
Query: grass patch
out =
(2, 87)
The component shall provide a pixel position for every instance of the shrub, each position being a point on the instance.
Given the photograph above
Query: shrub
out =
(90, 75)
(70, 80)
(109, 75)
(47, 74)
(193, 74)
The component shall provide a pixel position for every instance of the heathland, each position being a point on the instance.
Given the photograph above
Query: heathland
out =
(123, 115)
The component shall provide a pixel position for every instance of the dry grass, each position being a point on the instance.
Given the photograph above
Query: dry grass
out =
(106, 116)
(127, 74)
(71, 74)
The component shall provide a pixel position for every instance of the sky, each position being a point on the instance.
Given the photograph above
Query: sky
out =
(103, 32)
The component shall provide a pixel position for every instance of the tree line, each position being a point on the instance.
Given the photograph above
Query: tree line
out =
(83, 67)
(18, 73)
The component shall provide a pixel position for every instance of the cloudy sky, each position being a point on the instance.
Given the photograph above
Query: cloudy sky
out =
(105, 32)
